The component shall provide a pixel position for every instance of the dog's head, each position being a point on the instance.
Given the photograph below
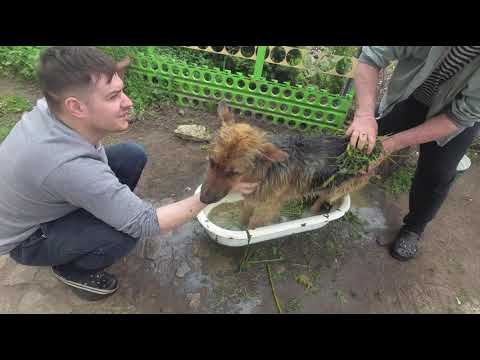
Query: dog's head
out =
(233, 154)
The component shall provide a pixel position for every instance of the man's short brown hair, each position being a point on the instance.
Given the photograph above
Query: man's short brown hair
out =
(66, 68)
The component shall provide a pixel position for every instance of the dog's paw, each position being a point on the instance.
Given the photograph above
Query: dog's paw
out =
(324, 207)
(255, 223)
(252, 225)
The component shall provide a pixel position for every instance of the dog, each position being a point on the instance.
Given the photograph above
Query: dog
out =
(287, 167)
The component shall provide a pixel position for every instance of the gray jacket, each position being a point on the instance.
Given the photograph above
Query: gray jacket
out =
(459, 97)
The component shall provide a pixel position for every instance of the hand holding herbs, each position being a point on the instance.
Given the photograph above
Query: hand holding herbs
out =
(354, 161)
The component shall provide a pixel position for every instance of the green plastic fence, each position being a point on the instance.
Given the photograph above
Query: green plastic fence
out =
(249, 95)
(282, 103)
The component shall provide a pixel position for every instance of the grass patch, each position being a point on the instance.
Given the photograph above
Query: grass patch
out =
(304, 280)
(6, 124)
(474, 149)
(341, 298)
(13, 104)
(294, 304)
(10, 109)
(400, 180)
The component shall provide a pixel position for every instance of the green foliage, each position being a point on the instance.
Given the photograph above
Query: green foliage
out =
(6, 124)
(474, 149)
(10, 108)
(14, 104)
(294, 304)
(400, 181)
(19, 60)
(313, 75)
(353, 160)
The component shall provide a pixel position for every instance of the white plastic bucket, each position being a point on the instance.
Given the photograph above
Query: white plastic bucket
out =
(240, 238)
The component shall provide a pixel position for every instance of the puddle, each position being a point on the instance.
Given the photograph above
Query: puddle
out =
(378, 214)
(372, 218)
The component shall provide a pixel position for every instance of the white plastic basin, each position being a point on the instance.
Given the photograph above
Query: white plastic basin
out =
(240, 238)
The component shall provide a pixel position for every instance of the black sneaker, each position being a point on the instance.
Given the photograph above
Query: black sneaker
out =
(94, 286)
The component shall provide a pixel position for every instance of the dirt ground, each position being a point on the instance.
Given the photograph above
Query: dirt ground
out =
(340, 268)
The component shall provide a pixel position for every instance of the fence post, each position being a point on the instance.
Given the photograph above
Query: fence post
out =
(261, 50)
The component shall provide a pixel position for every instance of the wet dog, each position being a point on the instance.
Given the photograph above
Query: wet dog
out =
(287, 167)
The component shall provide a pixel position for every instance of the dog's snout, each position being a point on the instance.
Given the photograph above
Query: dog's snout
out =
(209, 197)
(205, 198)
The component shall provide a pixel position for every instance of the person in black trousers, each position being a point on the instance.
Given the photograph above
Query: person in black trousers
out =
(433, 102)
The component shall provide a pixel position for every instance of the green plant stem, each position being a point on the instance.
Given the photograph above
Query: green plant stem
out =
(277, 303)
(245, 255)
(266, 261)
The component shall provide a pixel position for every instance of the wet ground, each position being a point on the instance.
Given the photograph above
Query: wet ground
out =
(340, 268)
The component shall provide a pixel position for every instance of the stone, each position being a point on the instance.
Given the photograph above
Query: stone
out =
(183, 269)
(193, 133)
(36, 302)
(139, 249)
(194, 300)
(3, 260)
(21, 275)
(165, 273)
(196, 263)
(200, 249)
(46, 280)
(10, 298)
(157, 248)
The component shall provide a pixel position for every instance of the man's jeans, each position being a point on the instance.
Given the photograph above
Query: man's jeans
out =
(79, 241)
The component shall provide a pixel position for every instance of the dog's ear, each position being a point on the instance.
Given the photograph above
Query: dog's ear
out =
(272, 153)
(226, 117)
(122, 66)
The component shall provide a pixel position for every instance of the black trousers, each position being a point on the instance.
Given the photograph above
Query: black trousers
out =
(436, 167)
(79, 242)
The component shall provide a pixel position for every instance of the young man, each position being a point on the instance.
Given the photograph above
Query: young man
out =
(65, 200)
(433, 100)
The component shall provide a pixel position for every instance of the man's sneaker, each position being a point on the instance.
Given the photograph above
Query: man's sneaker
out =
(94, 286)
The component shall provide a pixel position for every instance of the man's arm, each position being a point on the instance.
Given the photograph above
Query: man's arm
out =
(173, 215)
(435, 128)
(364, 127)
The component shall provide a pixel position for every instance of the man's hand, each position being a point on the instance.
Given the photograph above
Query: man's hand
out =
(374, 165)
(244, 188)
(388, 146)
(363, 131)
